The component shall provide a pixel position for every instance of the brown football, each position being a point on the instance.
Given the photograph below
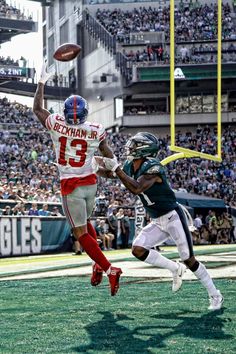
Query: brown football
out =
(67, 52)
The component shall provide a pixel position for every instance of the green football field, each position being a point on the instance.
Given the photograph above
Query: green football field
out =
(67, 315)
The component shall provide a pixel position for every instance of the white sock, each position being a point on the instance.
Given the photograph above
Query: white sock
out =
(156, 259)
(204, 277)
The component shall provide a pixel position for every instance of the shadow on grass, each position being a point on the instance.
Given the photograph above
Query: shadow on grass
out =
(207, 326)
(108, 335)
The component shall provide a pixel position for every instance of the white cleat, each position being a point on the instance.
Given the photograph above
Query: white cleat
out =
(216, 301)
(178, 277)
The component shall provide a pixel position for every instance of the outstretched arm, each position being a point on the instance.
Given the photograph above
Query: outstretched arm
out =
(38, 109)
(40, 112)
(140, 185)
(107, 167)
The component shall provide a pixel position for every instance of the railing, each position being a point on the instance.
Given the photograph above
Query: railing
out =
(97, 31)
(125, 66)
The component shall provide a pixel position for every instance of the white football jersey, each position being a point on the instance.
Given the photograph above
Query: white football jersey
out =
(74, 145)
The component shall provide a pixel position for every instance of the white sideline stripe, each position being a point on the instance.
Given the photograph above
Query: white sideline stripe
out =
(130, 269)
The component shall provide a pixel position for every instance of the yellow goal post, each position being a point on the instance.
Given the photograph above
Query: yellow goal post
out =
(181, 152)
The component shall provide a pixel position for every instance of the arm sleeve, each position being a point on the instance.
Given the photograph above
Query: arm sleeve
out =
(49, 122)
(101, 133)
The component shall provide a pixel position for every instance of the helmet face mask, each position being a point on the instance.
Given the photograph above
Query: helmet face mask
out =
(75, 110)
(141, 145)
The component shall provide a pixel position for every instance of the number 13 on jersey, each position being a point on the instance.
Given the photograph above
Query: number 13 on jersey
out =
(80, 150)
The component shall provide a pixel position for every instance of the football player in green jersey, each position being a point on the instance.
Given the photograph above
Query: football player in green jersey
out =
(143, 175)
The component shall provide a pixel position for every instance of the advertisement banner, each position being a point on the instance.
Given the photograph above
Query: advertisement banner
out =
(139, 216)
(26, 235)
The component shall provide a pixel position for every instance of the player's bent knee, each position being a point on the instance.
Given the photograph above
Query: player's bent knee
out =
(140, 252)
(183, 251)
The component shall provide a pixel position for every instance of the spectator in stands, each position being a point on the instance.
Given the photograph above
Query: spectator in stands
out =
(196, 237)
(109, 237)
(55, 79)
(213, 228)
(208, 217)
(19, 209)
(184, 54)
(1, 193)
(7, 211)
(205, 236)
(44, 211)
(113, 226)
(33, 211)
(232, 229)
(13, 195)
(55, 212)
(100, 234)
(198, 221)
(124, 227)
(222, 237)
(73, 83)
(150, 53)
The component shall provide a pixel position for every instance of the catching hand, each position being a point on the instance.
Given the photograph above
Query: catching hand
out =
(95, 164)
(111, 164)
(44, 74)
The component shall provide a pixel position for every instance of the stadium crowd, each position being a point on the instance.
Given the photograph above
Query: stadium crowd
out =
(214, 229)
(195, 54)
(193, 22)
(27, 167)
(10, 10)
(8, 61)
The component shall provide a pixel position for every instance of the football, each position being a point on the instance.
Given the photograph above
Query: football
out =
(67, 52)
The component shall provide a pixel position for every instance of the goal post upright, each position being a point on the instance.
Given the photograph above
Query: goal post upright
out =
(219, 74)
(181, 152)
(172, 70)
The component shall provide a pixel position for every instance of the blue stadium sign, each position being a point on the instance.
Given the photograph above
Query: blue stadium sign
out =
(13, 71)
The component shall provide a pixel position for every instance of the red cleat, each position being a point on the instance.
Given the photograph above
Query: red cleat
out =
(114, 277)
(97, 274)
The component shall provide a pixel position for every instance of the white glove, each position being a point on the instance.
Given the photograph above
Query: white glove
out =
(111, 164)
(95, 165)
(44, 76)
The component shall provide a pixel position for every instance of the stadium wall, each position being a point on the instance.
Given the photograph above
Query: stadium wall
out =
(100, 94)
(181, 119)
(28, 235)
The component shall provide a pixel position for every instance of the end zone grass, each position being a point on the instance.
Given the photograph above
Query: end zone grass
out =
(67, 315)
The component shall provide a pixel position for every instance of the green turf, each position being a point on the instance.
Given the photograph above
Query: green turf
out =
(67, 315)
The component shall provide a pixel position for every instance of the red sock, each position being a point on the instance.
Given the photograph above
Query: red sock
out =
(91, 230)
(94, 252)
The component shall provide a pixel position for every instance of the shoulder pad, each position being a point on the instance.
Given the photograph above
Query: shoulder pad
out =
(153, 170)
(152, 166)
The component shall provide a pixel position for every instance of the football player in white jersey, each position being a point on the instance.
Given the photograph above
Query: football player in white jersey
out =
(76, 140)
